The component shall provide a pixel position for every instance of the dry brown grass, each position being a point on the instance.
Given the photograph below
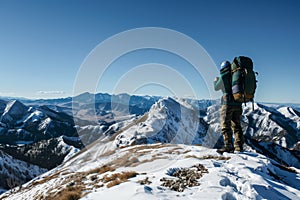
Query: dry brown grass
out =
(70, 196)
(149, 160)
(114, 183)
(121, 176)
(100, 170)
(130, 159)
(43, 180)
(108, 153)
(128, 162)
(73, 187)
(199, 145)
(123, 161)
(67, 193)
(118, 178)
(187, 151)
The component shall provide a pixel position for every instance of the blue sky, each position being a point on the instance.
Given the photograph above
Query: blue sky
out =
(44, 43)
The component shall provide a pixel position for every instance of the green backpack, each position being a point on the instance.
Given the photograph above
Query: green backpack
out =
(243, 79)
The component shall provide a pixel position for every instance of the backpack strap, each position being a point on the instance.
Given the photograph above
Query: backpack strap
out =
(236, 69)
(237, 64)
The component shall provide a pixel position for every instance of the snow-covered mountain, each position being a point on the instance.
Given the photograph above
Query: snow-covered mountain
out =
(14, 172)
(46, 154)
(168, 121)
(150, 147)
(33, 136)
(105, 106)
(20, 123)
(43, 132)
(177, 121)
(279, 126)
(263, 124)
(21, 163)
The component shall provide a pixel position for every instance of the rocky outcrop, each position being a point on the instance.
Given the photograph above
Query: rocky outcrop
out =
(185, 177)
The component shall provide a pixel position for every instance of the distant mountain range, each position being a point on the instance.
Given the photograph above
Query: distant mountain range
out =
(20, 123)
(45, 133)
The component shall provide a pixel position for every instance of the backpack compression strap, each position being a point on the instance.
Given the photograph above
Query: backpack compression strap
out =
(235, 70)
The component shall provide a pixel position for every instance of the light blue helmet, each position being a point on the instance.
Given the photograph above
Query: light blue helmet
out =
(224, 64)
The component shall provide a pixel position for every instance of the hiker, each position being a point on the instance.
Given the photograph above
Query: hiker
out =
(231, 112)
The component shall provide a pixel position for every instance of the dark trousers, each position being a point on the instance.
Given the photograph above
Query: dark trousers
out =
(231, 122)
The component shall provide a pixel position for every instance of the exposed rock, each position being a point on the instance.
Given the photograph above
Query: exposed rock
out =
(185, 177)
(145, 181)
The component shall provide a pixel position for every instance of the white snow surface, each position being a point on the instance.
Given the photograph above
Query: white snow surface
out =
(34, 116)
(45, 123)
(247, 175)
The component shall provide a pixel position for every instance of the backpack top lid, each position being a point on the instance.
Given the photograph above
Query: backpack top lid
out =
(242, 62)
(224, 64)
(225, 67)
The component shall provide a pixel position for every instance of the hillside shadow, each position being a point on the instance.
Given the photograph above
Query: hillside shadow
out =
(287, 124)
(269, 193)
(276, 177)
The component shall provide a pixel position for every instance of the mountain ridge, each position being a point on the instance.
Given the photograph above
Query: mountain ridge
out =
(271, 132)
(146, 167)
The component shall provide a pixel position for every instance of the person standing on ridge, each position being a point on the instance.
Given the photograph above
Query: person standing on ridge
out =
(231, 112)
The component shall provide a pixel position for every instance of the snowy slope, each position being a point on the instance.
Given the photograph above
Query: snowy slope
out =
(270, 125)
(138, 172)
(265, 129)
(15, 172)
(292, 114)
(263, 124)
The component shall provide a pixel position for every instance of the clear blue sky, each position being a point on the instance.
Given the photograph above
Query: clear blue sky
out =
(43, 43)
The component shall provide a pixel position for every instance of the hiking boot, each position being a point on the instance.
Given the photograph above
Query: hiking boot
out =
(227, 149)
(238, 149)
